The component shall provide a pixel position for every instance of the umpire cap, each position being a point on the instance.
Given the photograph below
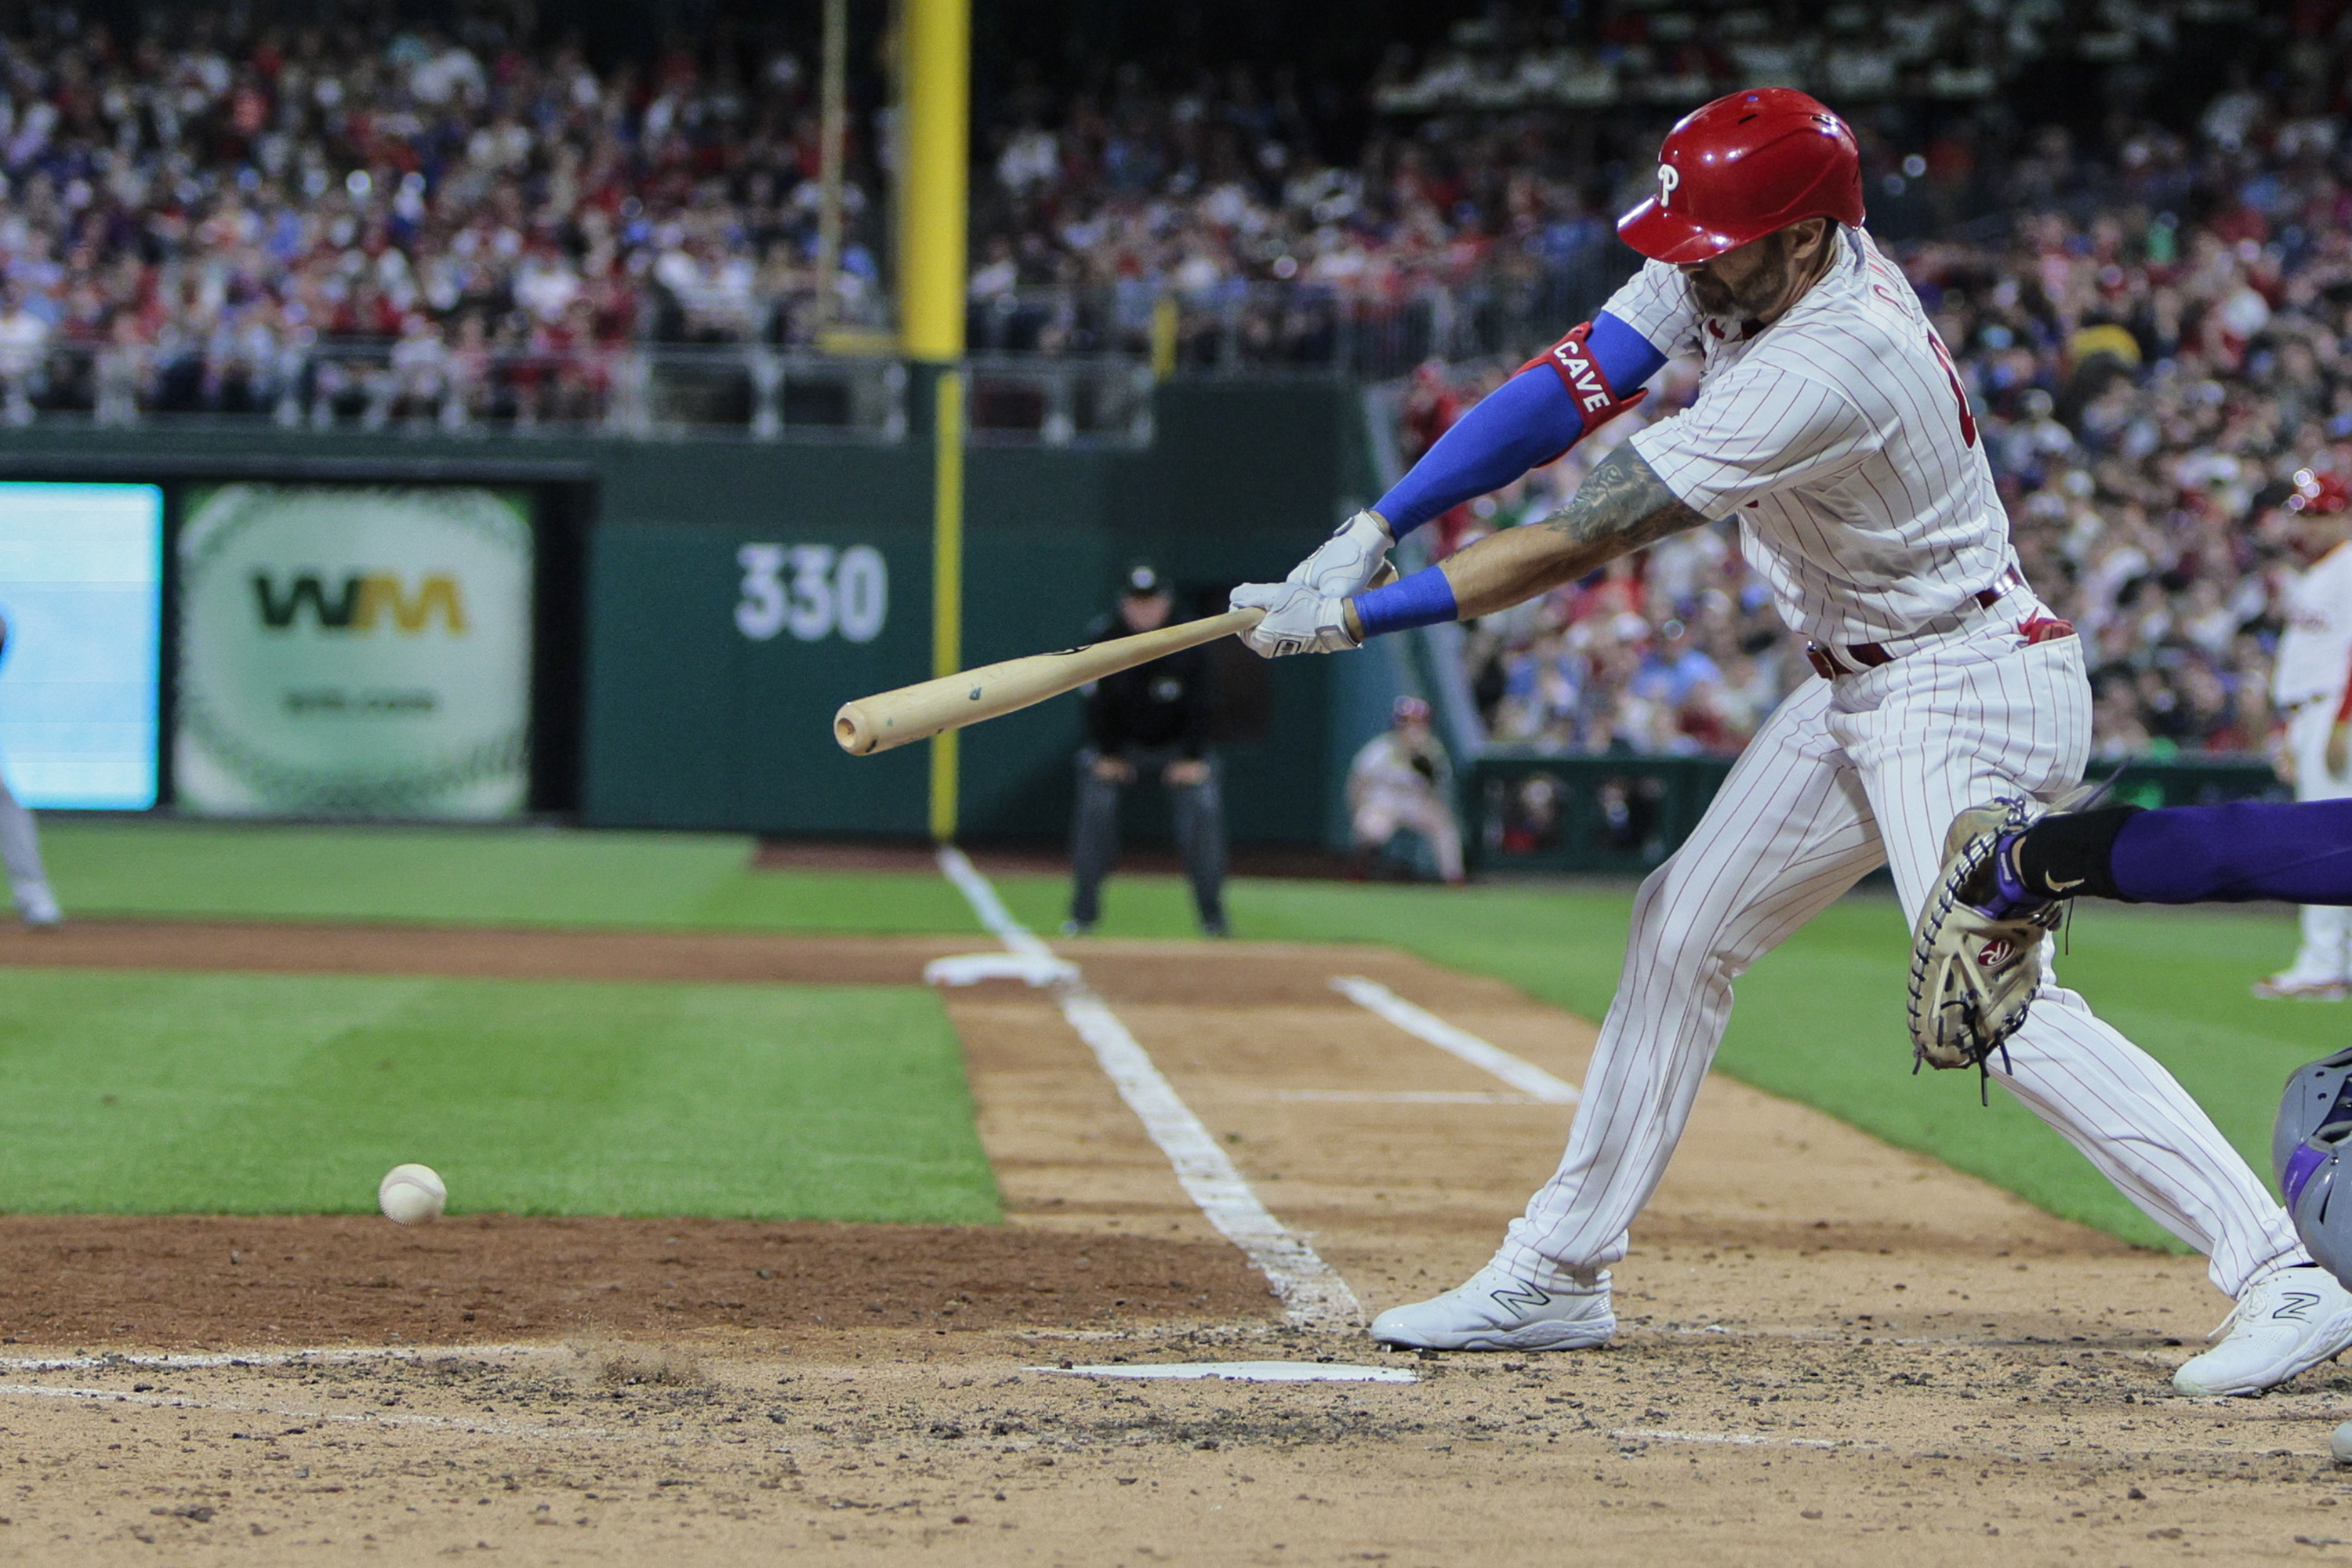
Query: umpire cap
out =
(2307, 1146)
(1741, 167)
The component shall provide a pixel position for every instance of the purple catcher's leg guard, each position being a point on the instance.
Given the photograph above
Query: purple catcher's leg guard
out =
(2299, 853)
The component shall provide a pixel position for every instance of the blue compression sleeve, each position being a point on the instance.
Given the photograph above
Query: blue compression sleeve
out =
(1625, 355)
(2297, 852)
(1528, 420)
(1422, 599)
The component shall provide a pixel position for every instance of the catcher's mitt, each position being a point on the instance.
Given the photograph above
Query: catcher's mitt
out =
(1974, 972)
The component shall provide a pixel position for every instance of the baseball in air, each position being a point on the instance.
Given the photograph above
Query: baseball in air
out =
(411, 1194)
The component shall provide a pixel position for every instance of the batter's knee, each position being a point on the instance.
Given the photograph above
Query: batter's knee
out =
(1677, 930)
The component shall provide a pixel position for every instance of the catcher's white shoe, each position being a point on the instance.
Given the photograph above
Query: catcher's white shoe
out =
(2302, 987)
(1493, 1312)
(2287, 1323)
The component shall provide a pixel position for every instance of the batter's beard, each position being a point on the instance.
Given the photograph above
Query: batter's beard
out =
(1763, 291)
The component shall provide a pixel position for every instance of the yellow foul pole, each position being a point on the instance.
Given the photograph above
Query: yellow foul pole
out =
(946, 585)
(931, 220)
(931, 200)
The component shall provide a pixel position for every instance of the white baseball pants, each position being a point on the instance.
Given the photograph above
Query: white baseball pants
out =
(2327, 952)
(20, 846)
(1389, 812)
(1846, 775)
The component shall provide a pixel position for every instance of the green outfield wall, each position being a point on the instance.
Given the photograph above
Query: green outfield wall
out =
(1623, 813)
(707, 603)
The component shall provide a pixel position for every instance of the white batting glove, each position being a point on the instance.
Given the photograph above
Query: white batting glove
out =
(1346, 563)
(1297, 619)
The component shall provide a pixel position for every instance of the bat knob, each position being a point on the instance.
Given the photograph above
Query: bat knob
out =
(849, 728)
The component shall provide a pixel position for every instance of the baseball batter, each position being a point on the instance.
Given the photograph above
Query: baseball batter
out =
(2311, 687)
(1831, 424)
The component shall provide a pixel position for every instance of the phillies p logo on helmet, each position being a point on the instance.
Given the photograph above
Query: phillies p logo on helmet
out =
(1668, 178)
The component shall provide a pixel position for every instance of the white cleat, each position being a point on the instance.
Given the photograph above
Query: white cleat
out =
(1493, 1312)
(38, 906)
(2288, 1323)
(2301, 988)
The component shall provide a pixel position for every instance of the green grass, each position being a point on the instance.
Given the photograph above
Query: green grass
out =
(546, 877)
(239, 1093)
(1820, 1021)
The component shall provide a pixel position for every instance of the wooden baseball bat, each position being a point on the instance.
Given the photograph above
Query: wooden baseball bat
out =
(928, 708)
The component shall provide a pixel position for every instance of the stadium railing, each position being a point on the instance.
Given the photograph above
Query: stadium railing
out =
(1371, 329)
(1048, 366)
(751, 390)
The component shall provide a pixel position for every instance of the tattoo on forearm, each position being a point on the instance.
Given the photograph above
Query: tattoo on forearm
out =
(1621, 505)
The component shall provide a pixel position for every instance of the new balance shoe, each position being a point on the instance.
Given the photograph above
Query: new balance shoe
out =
(2288, 1323)
(1493, 1312)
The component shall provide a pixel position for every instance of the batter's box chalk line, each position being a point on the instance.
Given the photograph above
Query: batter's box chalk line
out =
(1313, 1294)
(1400, 1097)
(1241, 1371)
(482, 1426)
(204, 1360)
(1524, 1076)
(1740, 1439)
(1184, 1334)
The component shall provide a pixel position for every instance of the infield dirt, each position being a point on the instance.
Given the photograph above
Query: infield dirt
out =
(1826, 1341)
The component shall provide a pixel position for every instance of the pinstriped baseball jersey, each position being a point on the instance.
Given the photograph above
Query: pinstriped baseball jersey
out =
(2316, 654)
(1841, 439)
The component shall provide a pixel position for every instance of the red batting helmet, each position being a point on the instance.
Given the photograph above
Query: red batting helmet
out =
(1741, 167)
(2319, 493)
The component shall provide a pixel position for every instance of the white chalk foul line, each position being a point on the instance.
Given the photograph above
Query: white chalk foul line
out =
(980, 894)
(1524, 1076)
(1312, 1292)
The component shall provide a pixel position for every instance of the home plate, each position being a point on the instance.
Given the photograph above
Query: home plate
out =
(1247, 1371)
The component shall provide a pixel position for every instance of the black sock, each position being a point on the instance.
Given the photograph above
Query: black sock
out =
(2071, 854)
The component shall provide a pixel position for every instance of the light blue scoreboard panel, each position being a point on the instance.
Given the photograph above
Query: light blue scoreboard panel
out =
(81, 589)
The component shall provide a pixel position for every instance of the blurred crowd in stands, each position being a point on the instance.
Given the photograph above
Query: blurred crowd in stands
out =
(196, 208)
(1473, 206)
(193, 206)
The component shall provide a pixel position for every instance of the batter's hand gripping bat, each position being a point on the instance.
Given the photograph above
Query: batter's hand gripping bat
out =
(916, 712)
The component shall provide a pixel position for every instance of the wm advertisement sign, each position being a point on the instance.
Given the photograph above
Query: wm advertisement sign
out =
(361, 602)
(350, 651)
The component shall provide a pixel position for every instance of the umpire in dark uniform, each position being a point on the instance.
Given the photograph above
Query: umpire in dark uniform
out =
(1151, 719)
